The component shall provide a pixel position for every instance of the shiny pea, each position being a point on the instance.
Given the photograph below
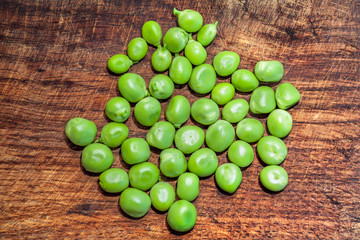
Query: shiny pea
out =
(235, 110)
(134, 202)
(205, 111)
(114, 134)
(96, 158)
(175, 39)
(189, 138)
(188, 186)
(178, 110)
(117, 109)
(81, 131)
(161, 86)
(274, 178)
(172, 162)
(269, 71)
(189, 20)
(137, 49)
(220, 135)
(225, 63)
(222, 93)
(195, 52)
(151, 32)
(143, 175)
(161, 135)
(132, 87)
(135, 150)
(244, 80)
(262, 100)
(279, 123)
(119, 63)
(241, 153)
(286, 96)
(203, 162)
(180, 70)
(271, 150)
(182, 216)
(161, 59)
(114, 180)
(203, 78)
(207, 34)
(162, 196)
(147, 111)
(250, 130)
(228, 177)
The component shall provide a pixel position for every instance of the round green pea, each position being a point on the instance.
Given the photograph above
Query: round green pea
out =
(172, 162)
(114, 180)
(250, 130)
(96, 158)
(175, 39)
(188, 186)
(137, 49)
(114, 134)
(203, 162)
(161, 59)
(271, 150)
(269, 71)
(119, 63)
(189, 138)
(132, 87)
(161, 86)
(222, 93)
(274, 178)
(235, 110)
(279, 123)
(203, 78)
(182, 216)
(161, 135)
(189, 20)
(286, 95)
(241, 153)
(205, 111)
(207, 34)
(195, 52)
(134, 202)
(225, 63)
(162, 196)
(151, 32)
(244, 80)
(147, 111)
(220, 135)
(178, 110)
(262, 100)
(144, 175)
(118, 109)
(80, 131)
(135, 150)
(180, 70)
(228, 177)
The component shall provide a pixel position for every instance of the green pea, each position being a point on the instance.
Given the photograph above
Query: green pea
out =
(274, 178)
(178, 110)
(137, 49)
(188, 186)
(114, 134)
(225, 63)
(203, 162)
(151, 32)
(188, 139)
(203, 78)
(172, 162)
(175, 39)
(119, 63)
(180, 70)
(262, 100)
(161, 86)
(195, 52)
(161, 59)
(222, 93)
(244, 80)
(182, 216)
(205, 111)
(220, 135)
(269, 71)
(132, 87)
(114, 180)
(250, 130)
(117, 109)
(189, 20)
(96, 158)
(147, 111)
(134, 202)
(144, 175)
(241, 153)
(286, 95)
(228, 177)
(162, 196)
(135, 150)
(271, 150)
(161, 135)
(207, 34)
(235, 110)
(279, 123)
(80, 131)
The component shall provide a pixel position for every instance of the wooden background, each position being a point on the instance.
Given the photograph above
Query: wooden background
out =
(53, 68)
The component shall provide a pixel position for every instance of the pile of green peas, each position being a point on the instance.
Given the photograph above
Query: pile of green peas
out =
(141, 186)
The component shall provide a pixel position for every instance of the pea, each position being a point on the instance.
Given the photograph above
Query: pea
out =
(279, 123)
(134, 202)
(195, 52)
(151, 32)
(222, 93)
(189, 20)
(137, 49)
(262, 100)
(132, 87)
(274, 178)
(96, 158)
(119, 63)
(180, 70)
(147, 111)
(241, 153)
(225, 63)
(271, 150)
(144, 175)
(203, 162)
(161, 59)
(244, 80)
(135, 150)
(114, 180)
(188, 139)
(220, 135)
(203, 79)
(182, 216)
(161, 135)
(205, 111)
(286, 95)
(80, 131)
(175, 39)
(250, 130)
(207, 34)
(172, 162)
(161, 86)
(235, 110)
(162, 196)
(228, 177)
(117, 109)
(188, 186)
(269, 71)
(178, 110)
(114, 134)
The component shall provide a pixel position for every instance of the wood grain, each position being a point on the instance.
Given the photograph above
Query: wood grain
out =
(53, 68)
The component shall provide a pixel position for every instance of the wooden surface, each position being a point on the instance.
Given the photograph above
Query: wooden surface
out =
(53, 68)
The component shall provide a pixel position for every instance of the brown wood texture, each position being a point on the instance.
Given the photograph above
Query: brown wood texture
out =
(53, 68)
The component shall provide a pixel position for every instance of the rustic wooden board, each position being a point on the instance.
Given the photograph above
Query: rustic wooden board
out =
(53, 68)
